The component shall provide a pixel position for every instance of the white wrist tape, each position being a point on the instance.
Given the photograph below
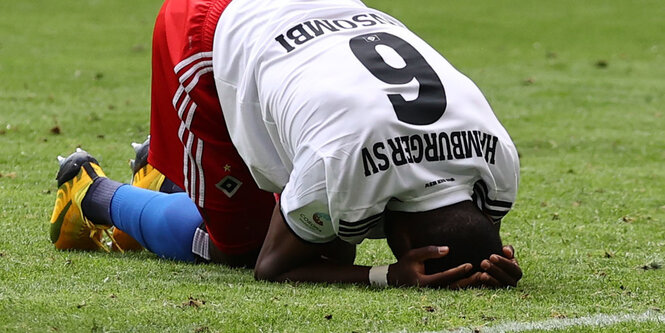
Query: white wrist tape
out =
(378, 276)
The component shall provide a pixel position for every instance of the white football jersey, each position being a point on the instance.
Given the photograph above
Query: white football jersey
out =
(347, 113)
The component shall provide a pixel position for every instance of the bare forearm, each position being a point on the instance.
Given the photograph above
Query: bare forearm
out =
(326, 272)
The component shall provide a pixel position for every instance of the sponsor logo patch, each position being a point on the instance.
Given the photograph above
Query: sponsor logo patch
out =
(320, 218)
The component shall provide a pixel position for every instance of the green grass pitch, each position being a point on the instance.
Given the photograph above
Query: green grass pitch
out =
(580, 85)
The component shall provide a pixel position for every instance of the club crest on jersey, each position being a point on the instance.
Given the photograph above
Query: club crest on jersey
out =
(372, 38)
(229, 185)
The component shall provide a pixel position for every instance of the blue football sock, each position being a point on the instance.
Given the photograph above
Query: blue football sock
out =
(163, 223)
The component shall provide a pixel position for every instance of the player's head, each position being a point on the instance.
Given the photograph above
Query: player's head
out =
(470, 235)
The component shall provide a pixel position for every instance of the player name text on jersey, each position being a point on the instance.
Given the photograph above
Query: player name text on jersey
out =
(306, 31)
(430, 147)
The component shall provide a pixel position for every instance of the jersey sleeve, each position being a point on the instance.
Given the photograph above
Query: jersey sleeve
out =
(496, 191)
(304, 201)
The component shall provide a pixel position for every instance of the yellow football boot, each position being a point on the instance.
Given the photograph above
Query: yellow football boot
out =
(149, 178)
(69, 228)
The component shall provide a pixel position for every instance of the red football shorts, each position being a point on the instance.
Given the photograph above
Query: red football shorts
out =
(189, 141)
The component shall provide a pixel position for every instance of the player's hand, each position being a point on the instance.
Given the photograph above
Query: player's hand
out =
(409, 270)
(500, 271)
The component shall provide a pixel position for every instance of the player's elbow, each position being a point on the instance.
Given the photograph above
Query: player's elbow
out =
(266, 269)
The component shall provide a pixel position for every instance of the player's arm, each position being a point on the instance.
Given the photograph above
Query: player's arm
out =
(285, 257)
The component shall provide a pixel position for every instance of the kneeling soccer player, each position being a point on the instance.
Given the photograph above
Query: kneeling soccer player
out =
(366, 132)
(364, 129)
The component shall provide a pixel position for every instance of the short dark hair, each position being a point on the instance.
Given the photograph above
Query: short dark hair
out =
(470, 235)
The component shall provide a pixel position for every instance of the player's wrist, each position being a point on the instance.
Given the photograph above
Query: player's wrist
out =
(378, 276)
